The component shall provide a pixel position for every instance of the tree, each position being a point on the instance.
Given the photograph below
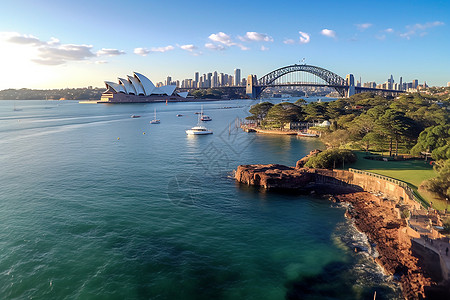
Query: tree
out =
(283, 113)
(372, 139)
(331, 158)
(259, 111)
(441, 183)
(315, 111)
(300, 102)
(434, 139)
(395, 125)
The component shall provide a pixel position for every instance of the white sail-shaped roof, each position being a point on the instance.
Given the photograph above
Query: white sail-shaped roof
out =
(115, 86)
(168, 89)
(129, 88)
(183, 94)
(137, 85)
(147, 84)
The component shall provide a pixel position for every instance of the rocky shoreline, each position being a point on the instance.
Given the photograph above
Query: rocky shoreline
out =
(377, 218)
(383, 228)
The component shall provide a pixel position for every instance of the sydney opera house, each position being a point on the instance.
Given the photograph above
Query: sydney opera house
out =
(139, 88)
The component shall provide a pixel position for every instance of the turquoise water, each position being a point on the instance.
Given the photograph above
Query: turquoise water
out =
(97, 205)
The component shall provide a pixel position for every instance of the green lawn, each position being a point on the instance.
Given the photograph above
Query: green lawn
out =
(410, 171)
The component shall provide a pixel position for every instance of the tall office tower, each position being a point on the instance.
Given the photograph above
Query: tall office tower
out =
(204, 80)
(390, 83)
(244, 82)
(415, 83)
(168, 80)
(400, 84)
(221, 79)
(230, 80)
(195, 81)
(209, 80)
(177, 83)
(237, 76)
(448, 84)
(225, 80)
(215, 80)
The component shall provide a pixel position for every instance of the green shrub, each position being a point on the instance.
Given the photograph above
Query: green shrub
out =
(331, 158)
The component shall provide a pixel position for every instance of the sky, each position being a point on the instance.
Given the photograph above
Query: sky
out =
(65, 44)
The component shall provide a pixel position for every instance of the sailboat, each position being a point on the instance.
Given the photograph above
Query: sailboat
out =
(199, 129)
(155, 120)
(203, 117)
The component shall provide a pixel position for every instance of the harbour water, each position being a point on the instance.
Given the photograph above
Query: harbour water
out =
(97, 205)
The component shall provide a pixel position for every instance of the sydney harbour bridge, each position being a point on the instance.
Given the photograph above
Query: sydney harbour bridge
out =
(307, 76)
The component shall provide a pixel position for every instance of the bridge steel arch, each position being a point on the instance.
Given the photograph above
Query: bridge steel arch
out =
(333, 80)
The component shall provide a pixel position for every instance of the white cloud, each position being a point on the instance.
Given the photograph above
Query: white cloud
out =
(256, 37)
(52, 52)
(162, 49)
(263, 48)
(101, 62)
(225, 39)
(145, 51)
(48, 55)
(381, 37)
(212, 46)
(53, 41)
(427, 25)
(221, 38)
(364, 26)
(419, 29)
(304, 37)
(389, 30)
(141, 51)
(110, 52)
(328, 33)
(24, 39)
(242, 47)
(189, 47)
(289, 41)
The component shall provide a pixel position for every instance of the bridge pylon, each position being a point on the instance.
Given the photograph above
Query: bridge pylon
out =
(251, 89)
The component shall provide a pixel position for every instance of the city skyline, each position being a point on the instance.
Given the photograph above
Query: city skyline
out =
(39, 50)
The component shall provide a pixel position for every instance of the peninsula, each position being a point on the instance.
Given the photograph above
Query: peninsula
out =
(409, 246)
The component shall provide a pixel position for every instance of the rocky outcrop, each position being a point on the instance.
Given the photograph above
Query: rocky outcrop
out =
(301, 163)
(384, 228)
(274, 176)
(373, 216)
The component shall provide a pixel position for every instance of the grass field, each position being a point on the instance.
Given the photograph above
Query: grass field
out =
(410, 171)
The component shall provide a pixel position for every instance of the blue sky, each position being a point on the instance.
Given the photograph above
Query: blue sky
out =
(58, 44)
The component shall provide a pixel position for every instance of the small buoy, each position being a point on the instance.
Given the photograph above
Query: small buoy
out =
(118, 138)
(143, 133)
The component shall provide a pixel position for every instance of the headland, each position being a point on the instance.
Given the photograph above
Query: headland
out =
(410, 247)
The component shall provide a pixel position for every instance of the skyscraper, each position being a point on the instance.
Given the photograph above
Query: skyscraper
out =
(215, 80)
(237, 76)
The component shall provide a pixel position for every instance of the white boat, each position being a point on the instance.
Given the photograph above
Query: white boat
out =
(199, 129)
(155, 120)
(204, 118)
(306, 134)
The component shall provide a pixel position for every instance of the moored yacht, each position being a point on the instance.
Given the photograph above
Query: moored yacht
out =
(198, 130)
(155, 120)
